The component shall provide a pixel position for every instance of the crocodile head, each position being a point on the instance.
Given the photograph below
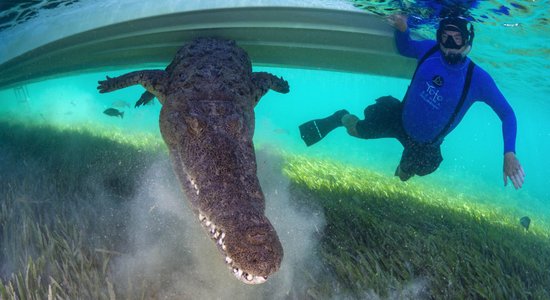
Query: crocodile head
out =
(213, 156)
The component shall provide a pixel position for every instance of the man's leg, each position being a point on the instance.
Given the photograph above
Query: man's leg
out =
(382, 120)
(350, 122)
(404, 176)
(418, 159)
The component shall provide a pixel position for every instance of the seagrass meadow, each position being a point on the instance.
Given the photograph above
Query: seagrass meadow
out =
(65, 219)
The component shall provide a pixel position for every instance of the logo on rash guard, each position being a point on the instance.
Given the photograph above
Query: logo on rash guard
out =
(438, 80)
(431, 96)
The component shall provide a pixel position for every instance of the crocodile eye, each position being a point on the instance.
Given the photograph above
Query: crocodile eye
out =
(195, 125)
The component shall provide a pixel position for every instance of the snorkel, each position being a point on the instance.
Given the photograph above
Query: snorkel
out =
(455, 48)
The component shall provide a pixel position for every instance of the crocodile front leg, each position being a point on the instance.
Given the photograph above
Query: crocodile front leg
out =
(264, 81)
(154, 81)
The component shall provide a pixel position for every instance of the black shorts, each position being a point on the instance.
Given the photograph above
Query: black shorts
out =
(383, 120)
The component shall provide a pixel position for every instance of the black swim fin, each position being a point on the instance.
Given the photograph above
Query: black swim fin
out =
(315, 130)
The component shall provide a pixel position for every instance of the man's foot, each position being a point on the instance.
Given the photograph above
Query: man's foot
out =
(339, 115)
(402, 175)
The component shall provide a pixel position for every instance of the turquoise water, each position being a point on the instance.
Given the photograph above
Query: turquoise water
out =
(514, 49)
(472, 153)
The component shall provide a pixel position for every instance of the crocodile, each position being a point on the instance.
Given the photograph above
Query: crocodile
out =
(208, 94)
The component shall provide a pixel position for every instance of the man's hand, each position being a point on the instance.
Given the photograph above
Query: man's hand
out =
(398, 21)
(349, 121)
(513, 169)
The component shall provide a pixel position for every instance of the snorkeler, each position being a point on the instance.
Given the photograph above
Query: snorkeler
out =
(444, 86)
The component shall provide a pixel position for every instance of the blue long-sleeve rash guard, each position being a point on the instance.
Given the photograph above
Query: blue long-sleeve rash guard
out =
(436, 89)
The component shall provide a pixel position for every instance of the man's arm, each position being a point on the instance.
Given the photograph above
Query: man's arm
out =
(403, 42)
(399, 22)
(487, 90)
(513, 169)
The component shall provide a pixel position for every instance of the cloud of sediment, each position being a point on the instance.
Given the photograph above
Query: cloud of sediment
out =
(171, 256)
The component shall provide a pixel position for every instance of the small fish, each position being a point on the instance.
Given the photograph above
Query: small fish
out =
(525, 222)
(120, 104)
(113, 112)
